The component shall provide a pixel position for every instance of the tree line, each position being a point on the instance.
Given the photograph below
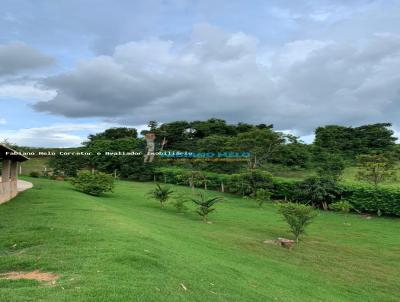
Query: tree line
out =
(333, 147)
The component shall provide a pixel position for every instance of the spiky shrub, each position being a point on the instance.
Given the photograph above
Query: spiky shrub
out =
(261, 196)
(205, 205)
(341, 206)
(179, 203)
(161, 194)
(298, 216)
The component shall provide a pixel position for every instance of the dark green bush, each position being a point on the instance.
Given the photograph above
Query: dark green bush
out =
(319, 191)
(170, 175)
(383, 200)
(34, 174)
(249, 182)
(341, 206)
(93, 184)
(284, 189)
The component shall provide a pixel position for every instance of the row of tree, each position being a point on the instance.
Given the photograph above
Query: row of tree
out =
(333, 144)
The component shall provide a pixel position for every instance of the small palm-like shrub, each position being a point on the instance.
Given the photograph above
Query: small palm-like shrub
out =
(179, 203)
(161, 194)
(298, 216)
(205, 205)
(261, 196)
(93, 184)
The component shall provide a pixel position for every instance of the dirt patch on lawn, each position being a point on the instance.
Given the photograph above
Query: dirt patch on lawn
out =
(35, 275)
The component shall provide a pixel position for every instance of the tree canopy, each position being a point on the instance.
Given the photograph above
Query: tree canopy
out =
(267, 146)
(354, 141)
(114, 133)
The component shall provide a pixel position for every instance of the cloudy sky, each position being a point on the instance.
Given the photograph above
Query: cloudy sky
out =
(70, 68)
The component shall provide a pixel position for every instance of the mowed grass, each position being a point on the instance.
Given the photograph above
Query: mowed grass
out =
(124, 247)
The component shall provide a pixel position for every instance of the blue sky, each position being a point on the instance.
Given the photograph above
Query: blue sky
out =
(70, 68)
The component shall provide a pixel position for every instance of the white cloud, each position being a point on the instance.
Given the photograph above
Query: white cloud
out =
(296, 52)
(307, 83)
(3, 121)
(57, 135)
(16, 57)
(153, 79)
(18, 61)
(28, 91)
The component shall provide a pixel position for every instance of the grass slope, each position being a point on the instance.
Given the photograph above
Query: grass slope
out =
(349, 176)
(35, 165)
(123, 247)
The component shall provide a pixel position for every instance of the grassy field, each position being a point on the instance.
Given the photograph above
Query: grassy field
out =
(123, 247)
(34, 164)
(349, 176)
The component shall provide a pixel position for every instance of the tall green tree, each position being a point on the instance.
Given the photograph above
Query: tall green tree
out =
(212, 126)
(177, 134)
(292, 153)
(262, 143)
(215, 143)
(331, 166)
(114, 133)
(354, 141)
(102, 150)
(375, 137)
(68, 165)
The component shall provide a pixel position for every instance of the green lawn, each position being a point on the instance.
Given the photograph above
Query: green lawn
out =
(123, 247)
